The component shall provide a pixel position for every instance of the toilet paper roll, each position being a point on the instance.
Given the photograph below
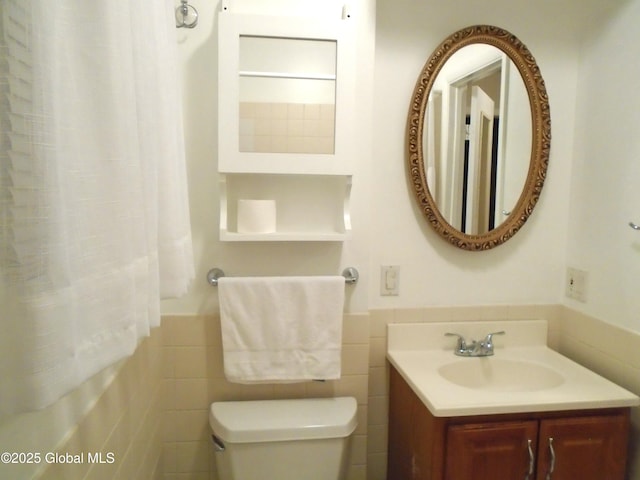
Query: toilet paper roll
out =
(256, 216)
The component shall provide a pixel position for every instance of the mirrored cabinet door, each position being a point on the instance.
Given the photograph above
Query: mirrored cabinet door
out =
(286, 117)
(287, 95)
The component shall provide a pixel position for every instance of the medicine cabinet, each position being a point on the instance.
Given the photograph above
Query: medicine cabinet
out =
(286, 114)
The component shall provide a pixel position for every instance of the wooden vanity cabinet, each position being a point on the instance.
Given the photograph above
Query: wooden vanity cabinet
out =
(587, 445)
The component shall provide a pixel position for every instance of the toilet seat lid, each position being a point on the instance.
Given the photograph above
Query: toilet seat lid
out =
(280, 420)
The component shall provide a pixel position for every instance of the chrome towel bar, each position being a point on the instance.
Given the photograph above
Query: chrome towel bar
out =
(350, 275)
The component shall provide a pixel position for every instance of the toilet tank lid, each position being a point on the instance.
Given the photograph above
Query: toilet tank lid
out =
(280, 420)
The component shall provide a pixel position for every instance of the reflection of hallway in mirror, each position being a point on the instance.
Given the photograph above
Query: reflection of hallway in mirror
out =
(479, 165)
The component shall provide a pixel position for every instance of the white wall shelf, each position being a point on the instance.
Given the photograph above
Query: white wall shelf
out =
(308, 207)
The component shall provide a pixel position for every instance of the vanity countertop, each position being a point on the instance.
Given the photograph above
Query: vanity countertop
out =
(523, 375)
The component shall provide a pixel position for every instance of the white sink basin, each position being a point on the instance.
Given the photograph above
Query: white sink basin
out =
(491, 373)
(523, 375)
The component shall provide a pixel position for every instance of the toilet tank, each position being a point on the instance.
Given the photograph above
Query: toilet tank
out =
(283, 439)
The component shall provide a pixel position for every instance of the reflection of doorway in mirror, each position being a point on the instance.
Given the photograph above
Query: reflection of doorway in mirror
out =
(479, 163)
(473, 149)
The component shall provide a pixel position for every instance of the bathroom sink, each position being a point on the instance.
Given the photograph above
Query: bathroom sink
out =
(523, 374)
(490, 373)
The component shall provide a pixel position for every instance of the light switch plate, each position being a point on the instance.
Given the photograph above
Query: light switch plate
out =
(389, 280)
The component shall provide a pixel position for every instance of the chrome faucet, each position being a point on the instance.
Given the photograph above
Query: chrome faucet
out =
(483, 348)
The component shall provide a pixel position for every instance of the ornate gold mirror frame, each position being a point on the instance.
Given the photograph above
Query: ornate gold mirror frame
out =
(540, 145)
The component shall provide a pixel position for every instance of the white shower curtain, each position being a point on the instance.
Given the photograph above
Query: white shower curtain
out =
(94, 220)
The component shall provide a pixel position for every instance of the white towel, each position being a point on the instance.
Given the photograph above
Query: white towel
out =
(281, 329)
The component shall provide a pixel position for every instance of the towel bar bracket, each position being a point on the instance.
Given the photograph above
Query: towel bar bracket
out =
(213, 275)
(350, 275)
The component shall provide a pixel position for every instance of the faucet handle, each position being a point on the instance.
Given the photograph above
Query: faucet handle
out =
(488, 340)
(462, 344)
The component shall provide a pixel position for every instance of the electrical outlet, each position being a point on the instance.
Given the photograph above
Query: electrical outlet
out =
(389, 279)
(576, 284)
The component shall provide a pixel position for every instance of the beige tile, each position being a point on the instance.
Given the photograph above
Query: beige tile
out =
(190, 362)
(359, 450)
(104, 470)
(311, 128)
(378, 381)
(191, 425)
(357, 472)
(437, 314)
(310, 144)
(311, 111)
(221, 390)
(170, 422)
(262, 143)
(279, 144)
(193, 476)
(377, 466)
(377, 439)
(355, 328)
(185, 330)
(362, 414)
(290, 390)
(631, 347)
(323, 389)
(247, 110)
(379, 319)
(169, 389)
(377, 352)
(529, 312)
(410, 315)
(263, 127)
(128, 468)
(295, 111)
(151, 454)
(465, 313)
(326, 128)
(246, 143)
(494, 312)
(191, 394)
(169, 459)
(355, 359)
(327, 111)
(296, 144)
(279, 126)
(631, 379)
(57, 471)
(256, 392)
(263, 110)
(192, 457)
(326, 145)
(168, 362)
(214, 362)
(378, 410)
(355, 386)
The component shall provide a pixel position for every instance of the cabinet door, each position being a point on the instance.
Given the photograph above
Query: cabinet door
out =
(486, 451)
(588, 448)
(416, 447)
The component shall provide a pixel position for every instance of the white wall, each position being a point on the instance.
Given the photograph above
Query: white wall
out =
(388, 228)
(527, 269)
(198, 48)
(606, 174)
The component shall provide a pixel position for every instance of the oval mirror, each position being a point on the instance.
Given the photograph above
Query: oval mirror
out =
(479, 137)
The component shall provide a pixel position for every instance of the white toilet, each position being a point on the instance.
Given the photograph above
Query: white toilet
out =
(302, 439)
